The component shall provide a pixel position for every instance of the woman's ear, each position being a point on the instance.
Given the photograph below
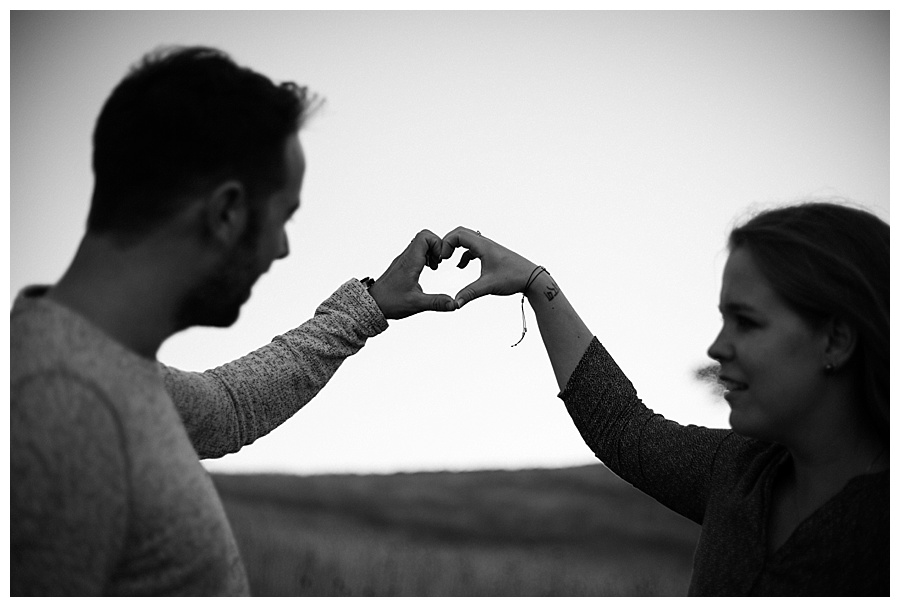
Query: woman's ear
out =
(841, 343)
(227, 212)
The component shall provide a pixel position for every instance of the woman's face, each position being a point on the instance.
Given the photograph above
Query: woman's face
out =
(772, 360)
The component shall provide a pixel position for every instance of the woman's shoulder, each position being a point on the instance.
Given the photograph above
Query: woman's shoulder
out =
(746, 460)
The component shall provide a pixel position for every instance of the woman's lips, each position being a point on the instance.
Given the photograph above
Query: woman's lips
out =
(731, 385)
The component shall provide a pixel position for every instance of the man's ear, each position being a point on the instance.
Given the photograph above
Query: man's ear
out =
(227, 212)
(841, 343)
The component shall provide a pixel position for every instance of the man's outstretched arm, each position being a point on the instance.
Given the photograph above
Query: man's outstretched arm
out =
(230, 406)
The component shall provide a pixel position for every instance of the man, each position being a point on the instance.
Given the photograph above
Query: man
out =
(197, 168)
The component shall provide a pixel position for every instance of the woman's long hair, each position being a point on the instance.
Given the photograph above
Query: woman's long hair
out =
(832, 261)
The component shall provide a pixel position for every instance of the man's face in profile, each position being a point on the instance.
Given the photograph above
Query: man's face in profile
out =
(218, 300)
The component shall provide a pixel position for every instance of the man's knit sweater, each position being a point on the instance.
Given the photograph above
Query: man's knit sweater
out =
(107, 495)
(724, 482)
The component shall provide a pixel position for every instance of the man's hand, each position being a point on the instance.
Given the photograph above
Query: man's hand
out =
(397, 291)
(503, 272)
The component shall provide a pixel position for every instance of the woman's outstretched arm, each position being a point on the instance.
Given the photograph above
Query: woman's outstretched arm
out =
(670, 462)
(504, 272)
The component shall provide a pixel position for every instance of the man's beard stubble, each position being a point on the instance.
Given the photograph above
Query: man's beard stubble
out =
(217, 300)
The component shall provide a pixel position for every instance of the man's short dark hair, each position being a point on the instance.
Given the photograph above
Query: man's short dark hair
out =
(182, 120)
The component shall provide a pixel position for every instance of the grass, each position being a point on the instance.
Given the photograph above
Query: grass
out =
(562, 532)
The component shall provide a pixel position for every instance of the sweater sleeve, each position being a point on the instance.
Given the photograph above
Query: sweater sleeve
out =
(231, 406)
(672, 463)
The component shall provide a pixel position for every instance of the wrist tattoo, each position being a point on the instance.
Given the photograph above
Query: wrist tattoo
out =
(551, 291)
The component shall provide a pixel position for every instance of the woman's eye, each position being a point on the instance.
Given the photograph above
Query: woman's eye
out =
(745, 323)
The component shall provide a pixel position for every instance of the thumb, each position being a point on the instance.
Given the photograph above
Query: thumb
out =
(472, 291)
(437, 303)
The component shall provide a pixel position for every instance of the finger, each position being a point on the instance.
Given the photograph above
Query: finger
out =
(460, 237)
(432, 247)
(435, 246)
(426, 249)
(467, 256)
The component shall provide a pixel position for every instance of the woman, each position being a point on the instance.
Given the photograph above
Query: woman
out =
(794, 499)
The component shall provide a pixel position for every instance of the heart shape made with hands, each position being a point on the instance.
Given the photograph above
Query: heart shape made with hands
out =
(449, 279)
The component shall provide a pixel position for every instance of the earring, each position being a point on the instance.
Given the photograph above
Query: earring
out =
(829, 368)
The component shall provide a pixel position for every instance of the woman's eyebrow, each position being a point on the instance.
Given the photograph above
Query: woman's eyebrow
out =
(735, 307)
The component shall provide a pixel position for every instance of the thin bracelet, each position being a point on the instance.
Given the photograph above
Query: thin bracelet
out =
(534, 274)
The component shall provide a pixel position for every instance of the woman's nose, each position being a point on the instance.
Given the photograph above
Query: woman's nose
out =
(719, 350)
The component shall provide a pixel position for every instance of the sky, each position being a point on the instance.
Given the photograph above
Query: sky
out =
(617, 149)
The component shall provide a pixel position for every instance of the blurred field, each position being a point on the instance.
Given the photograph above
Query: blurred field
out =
(563, 532)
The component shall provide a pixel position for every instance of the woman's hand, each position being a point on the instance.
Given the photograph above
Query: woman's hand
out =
(503, 272)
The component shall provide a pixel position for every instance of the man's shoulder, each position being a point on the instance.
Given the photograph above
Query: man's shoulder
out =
(38, 333)
(62, 367)
(49, 340)
(42, 335)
